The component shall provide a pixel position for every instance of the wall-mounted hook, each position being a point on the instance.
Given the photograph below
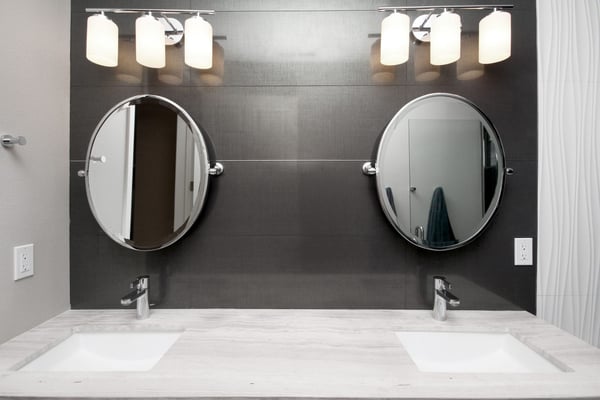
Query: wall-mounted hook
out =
(10, 140)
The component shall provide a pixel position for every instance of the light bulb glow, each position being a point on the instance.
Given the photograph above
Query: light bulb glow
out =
(395, 39)
(102, 41)
(149, 42)
(495, 37)
(445, 38)
(198, 43)
(468, 66)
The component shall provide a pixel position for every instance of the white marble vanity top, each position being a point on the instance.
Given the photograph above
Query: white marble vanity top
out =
(326, 354)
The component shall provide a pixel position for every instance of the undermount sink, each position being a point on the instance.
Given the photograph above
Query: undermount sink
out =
(472, 352)
(105, 351)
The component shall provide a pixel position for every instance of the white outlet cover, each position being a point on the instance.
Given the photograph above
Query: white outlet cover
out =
(523, 251)
(23, 261)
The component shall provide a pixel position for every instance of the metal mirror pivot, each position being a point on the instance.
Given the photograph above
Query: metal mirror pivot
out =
(147, 170)
(440, 171)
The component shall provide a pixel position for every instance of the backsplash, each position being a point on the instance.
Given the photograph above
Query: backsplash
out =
(293, 223)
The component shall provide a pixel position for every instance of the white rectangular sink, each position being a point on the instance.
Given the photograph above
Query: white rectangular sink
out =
(105, 351)
(472, 352)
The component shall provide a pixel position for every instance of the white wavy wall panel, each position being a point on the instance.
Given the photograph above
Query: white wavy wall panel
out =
(569, 166)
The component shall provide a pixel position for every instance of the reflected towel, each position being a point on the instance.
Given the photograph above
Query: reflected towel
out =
(390, 197)
(439, 230)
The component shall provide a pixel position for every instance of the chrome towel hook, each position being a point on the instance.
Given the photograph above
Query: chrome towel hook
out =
(10, 140)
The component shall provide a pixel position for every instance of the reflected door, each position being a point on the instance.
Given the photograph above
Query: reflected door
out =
(446, 154)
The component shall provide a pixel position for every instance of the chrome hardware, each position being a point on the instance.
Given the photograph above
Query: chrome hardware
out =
(216, 169)
(419, 234)
(509, 171)
(100, 159)
(81, 173)
(442, 297)
(413, 189)
(421, 27)
(369, 168)
(139, 295)
(10, 140)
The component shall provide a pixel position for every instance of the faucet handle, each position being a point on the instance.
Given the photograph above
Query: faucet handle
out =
(441, 282)
(141, 282)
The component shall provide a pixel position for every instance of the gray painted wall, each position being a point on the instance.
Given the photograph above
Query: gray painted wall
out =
(293, 223)
(34, 204)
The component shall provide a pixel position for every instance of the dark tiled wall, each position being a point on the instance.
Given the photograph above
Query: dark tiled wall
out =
(293, 223)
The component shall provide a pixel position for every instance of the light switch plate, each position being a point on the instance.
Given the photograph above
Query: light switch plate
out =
(523, 251)
(23, 261)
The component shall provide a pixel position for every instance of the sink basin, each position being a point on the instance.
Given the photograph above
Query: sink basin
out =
(472, 352)
(105, 351)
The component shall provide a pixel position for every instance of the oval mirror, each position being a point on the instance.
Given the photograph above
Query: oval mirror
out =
(440, 171)
(146, 172)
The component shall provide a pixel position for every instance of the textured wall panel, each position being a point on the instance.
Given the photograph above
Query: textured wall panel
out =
(569, 160)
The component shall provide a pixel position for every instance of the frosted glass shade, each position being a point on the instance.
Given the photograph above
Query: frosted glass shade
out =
(494, 37)
(394, 39)
(149, 42)
(445, 38)
(102, 41)
(198, 43)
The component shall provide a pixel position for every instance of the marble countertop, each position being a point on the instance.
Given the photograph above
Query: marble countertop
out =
(328, 354)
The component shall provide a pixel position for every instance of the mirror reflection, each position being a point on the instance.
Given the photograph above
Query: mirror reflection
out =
(440, 171)
(146, 172)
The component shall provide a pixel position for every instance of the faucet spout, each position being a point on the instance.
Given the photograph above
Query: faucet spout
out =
(448, 297)
(132, 296)
(139, 295)
(442, 297)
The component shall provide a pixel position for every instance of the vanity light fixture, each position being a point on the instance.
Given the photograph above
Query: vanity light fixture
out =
(443, 31)
(494, 37)
(394, 39)
(102, 41)
(198, 43)
(445, 38)
(153, 31)
(150, 41)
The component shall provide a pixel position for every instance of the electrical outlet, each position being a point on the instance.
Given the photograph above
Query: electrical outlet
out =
(23, 261)
(523, 251)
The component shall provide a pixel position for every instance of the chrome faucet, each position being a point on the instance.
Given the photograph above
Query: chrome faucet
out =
(441, 297)
(139, 295)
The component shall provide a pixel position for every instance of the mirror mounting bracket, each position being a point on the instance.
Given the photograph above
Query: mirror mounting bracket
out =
(369, 168)
(216, 169)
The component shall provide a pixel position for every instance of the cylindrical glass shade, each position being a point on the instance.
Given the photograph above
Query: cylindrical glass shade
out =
(198, 43)
(468, 67)
(149, 42)
(445, 38)
(395, 39)
(102, 41)
(494, 37)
